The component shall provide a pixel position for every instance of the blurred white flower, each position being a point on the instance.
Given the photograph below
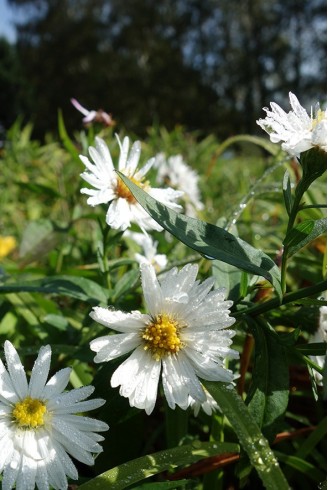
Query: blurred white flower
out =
(149, 247)
(108, 187)
(38, 426)
(297, 130)
(209, 405)
(93, 116)
(175, 172)
(183, 337)
(320, 336)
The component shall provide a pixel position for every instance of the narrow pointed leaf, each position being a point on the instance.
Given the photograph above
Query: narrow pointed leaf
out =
(268, 395)
(137, 470)
(304, 233)
(250, 437)
(207, 239)
(73, 286)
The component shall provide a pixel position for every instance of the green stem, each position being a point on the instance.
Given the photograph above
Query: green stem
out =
(288, 298)
(292, 217)
(251, 438)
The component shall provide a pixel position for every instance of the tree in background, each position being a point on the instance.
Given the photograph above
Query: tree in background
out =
(206, 64)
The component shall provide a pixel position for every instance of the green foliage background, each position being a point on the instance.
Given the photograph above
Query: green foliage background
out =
(67, 260)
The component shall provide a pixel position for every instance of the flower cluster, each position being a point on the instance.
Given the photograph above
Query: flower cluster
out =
(181, 340)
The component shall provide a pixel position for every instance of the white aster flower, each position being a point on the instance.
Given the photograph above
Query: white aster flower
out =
(123, 209)
(38, 426)
(149, 246)
(297, 130)
(179, 175)
(93, 116)
(183, 337)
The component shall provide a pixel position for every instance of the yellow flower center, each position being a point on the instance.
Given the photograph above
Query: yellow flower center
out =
(123, 191)
(320, 115)
(161, 337)
(29, 413)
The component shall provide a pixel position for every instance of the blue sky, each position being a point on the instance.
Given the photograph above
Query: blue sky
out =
(7, 16)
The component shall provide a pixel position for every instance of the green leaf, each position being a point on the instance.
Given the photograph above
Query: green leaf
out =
(228, 277)
(313, 349)
(312, 440)
(125, 284)
(303, 234)
(302, 466)
(73, 286)
(267, 398)
(249, 435)
(126, 474)
(286, 189)
(264, 143)
(207, 239)
(39, 238)
(57, 321)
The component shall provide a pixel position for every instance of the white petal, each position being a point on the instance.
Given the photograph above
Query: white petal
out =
(42, 479)
(70, 397)
(11, 471)
(6, 450)
(75, 436)
(27, 474)
(133, 159)
(118, 320)
(206, 368)
(7, 391)
(114, 346)
(56, 474)
(175, 391)
(145, 169)
(138, 376)
(16, 370)
(151, 289)
(80, 407)
(57, 383)
(119, 214)
(40, 372)
(66, 461)
(124, 152)
(74, 450)
(85, 423)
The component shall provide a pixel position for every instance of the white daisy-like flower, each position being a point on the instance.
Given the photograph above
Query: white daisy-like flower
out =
(93, 116)
(297, 131)
(183, 337)
(179, 175)
(38, 425)
(108, 187)
(149, 246)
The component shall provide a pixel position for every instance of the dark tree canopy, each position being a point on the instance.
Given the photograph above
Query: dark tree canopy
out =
(206, 64)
